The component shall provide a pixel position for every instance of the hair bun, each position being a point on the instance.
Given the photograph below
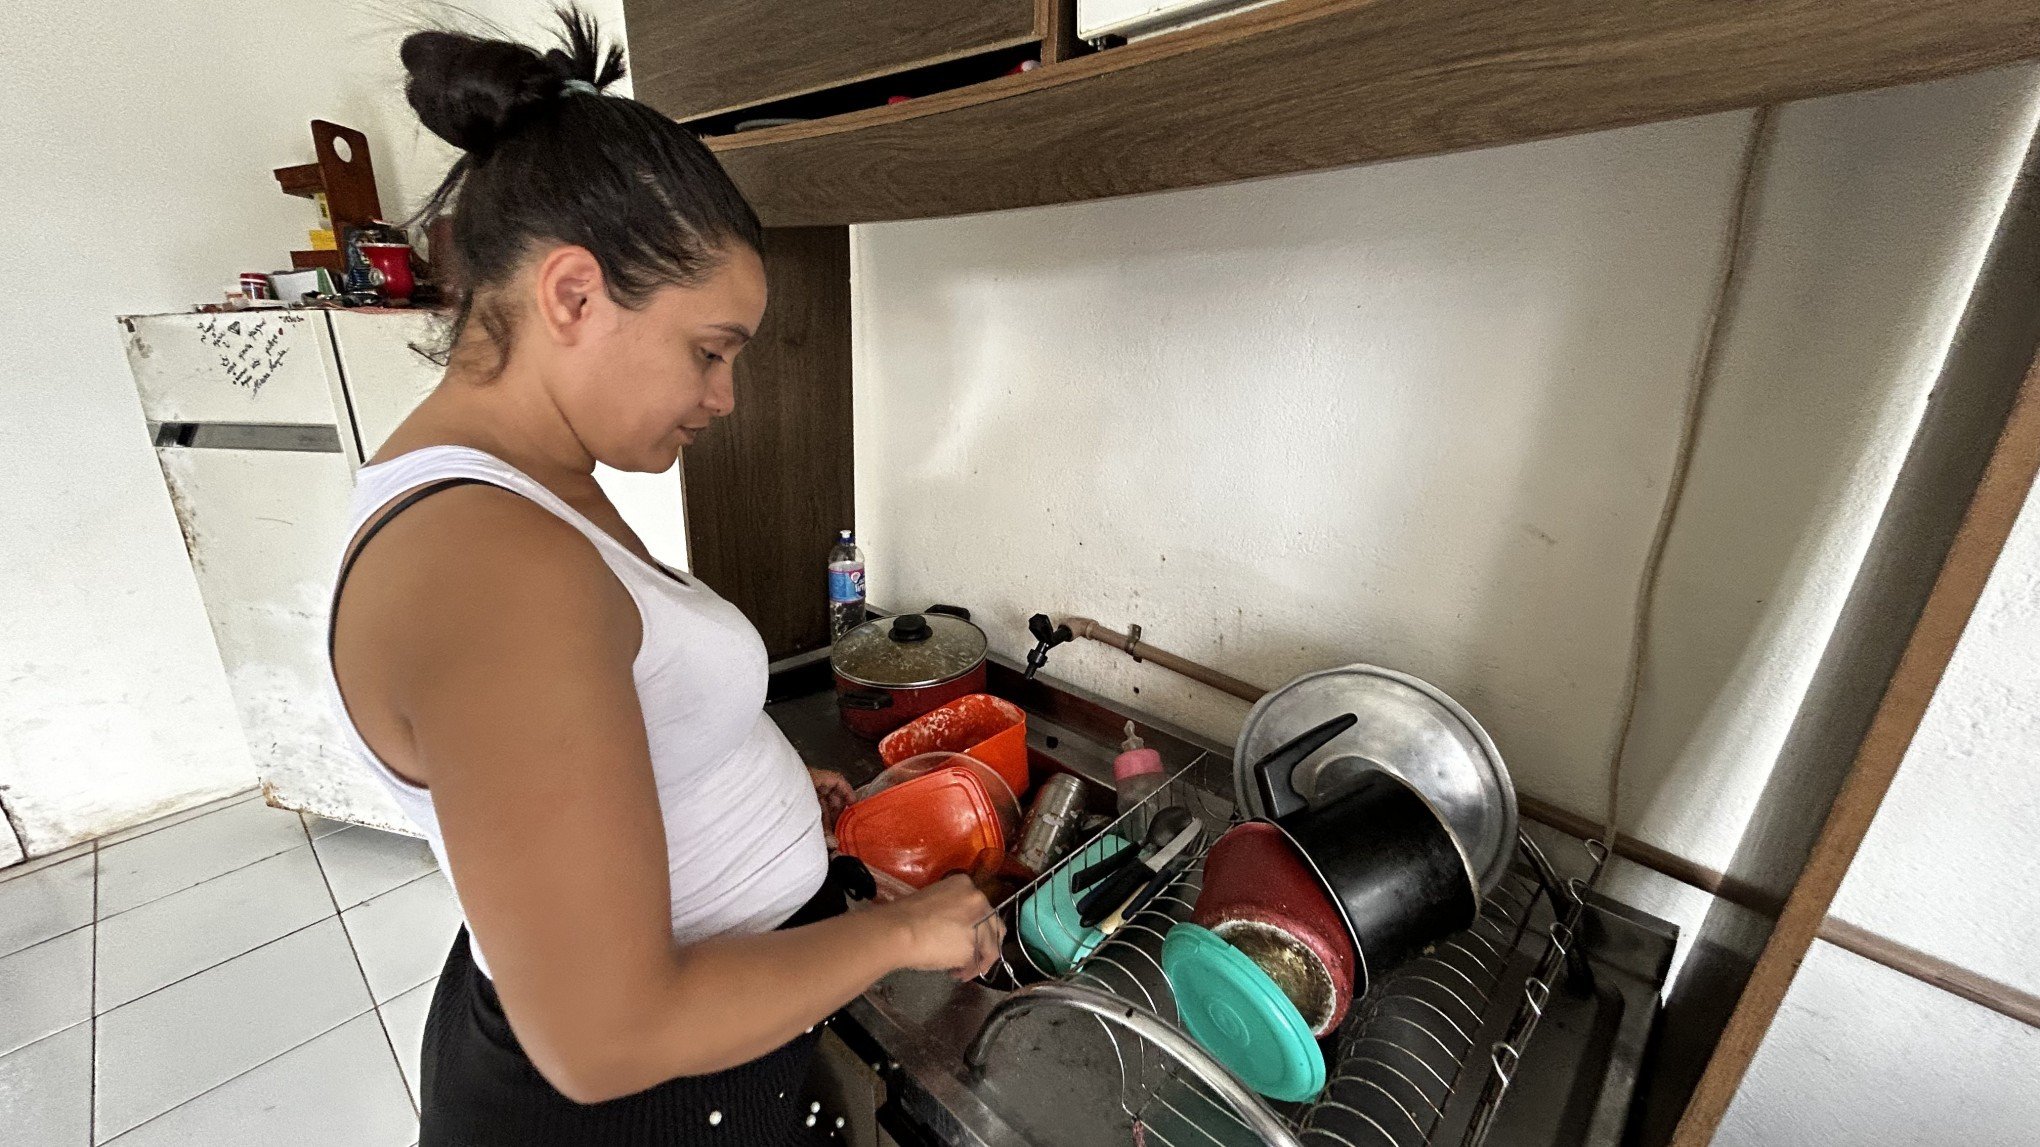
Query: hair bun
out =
(471, 92)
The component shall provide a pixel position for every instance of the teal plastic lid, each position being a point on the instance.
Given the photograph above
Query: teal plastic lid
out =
(1237, 1012)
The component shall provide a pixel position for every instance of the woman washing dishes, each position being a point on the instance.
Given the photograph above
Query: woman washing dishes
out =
(578, 730)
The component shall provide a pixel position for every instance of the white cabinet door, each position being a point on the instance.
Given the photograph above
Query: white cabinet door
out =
(1136, 18)
(266, 367)
(264, 529)
(384, 369)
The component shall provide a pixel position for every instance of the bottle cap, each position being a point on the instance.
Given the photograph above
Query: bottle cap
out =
(1136, 763)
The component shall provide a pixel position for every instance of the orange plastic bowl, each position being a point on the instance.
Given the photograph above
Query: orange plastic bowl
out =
(929, 816)
(985, 727)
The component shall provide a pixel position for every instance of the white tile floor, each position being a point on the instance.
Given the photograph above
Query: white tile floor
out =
(229, 975)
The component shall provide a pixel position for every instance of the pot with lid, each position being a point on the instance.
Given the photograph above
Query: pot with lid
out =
(891, 670)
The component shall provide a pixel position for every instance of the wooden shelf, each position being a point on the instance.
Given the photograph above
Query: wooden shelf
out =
(1308, 84)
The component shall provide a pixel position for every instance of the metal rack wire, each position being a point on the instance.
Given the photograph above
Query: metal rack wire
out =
(1405, 1069)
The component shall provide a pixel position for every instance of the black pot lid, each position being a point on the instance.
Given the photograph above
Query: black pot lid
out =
(1407, 727)
(909, 651)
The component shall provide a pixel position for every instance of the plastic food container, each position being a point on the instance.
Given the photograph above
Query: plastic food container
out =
(930, 816)
(981, 725)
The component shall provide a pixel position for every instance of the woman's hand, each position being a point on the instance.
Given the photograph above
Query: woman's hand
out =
(835, 794)
(949, 927)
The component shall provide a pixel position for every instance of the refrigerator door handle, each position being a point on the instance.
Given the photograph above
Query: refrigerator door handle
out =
(246, 436)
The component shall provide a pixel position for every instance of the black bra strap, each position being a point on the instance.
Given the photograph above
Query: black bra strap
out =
(399, 506)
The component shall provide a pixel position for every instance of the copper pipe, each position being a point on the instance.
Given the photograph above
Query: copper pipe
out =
(1131, 645)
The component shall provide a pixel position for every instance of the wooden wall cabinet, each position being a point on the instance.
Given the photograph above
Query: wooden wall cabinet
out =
(696, 58)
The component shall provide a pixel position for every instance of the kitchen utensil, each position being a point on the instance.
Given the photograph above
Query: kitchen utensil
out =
(1166, 865)
(1048, 919)
(1051, 824)
(1114, 890)
(1254, 876)
(891, 670)
(1241, 1016)
(1404, 726)
(1391, 864)
(930, 816)
(992, 730)
(1104, 868)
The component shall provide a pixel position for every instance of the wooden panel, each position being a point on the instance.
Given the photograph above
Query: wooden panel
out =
(1985, 527)
(705, 56)
(1308, 84)
(770, 485)
(1057, 20)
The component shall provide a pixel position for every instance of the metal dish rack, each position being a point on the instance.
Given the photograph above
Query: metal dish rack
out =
(1406, 1067)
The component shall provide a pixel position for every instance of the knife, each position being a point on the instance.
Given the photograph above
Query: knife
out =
(1166, 865)
(1129, 873)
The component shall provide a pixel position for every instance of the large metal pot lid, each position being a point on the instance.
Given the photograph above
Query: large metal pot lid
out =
(1407, 727)
(909, 651)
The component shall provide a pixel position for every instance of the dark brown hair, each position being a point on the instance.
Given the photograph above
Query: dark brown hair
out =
(547, 159)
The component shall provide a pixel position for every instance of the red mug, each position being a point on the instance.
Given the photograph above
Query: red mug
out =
(392, 263)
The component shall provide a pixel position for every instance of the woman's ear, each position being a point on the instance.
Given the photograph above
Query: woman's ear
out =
(570, 289)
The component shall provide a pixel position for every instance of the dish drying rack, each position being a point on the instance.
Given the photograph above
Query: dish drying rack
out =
(1425, 1057)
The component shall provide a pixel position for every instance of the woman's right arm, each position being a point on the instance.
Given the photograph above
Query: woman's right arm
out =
(507, 645)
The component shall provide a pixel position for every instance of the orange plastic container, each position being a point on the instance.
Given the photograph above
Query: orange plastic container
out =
(985, 727)
(931, 816)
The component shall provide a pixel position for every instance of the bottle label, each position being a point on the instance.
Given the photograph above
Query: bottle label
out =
(846, 585)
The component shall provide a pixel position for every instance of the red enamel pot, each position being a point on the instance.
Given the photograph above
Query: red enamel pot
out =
(891, 670)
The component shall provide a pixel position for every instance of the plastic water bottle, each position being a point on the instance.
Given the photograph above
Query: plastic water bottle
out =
(846, 586)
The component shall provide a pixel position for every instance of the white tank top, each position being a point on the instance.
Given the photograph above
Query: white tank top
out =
(743, 828)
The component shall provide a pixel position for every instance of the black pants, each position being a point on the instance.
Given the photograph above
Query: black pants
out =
(479, 1089)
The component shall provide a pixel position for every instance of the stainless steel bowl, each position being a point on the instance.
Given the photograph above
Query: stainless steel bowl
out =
(1407, 727)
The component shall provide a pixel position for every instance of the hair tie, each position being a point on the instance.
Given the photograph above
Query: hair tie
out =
(582, 86)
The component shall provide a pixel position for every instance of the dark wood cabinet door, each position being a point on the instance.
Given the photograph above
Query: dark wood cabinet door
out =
(769, 486)
(691, 58)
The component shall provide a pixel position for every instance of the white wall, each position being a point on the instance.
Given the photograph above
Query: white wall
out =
(1421, 414)
(1305, 421)
(139, 138)
(1952, 863)
(1865, 1056)
(1874, 216)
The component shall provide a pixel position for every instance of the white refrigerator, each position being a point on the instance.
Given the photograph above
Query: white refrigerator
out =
(260, 419)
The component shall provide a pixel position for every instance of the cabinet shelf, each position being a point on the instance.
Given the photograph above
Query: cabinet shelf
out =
(1302, 85)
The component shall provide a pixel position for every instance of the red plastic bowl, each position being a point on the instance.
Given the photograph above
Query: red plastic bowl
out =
(930, 816)
(987, 728)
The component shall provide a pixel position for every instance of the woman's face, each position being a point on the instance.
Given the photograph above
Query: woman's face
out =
(637, 384)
